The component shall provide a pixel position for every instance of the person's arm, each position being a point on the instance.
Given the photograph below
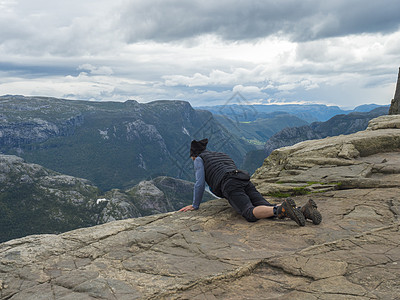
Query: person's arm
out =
(200, 182)
(199, 185)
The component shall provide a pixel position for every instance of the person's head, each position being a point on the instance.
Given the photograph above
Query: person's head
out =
(196, 147)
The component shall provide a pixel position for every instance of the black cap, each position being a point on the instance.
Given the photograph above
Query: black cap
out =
(196, 147)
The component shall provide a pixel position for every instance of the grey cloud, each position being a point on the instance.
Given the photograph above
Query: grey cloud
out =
(35, 70)
(303, 20)
(61, 28)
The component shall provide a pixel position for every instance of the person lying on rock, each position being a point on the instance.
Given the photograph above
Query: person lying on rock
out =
(226, 181)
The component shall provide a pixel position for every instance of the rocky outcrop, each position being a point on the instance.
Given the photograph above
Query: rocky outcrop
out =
(349, 161)
(337, 125)
(213, 253)
(340, 124)
(159, 195)
(37, 200)
(395, 104)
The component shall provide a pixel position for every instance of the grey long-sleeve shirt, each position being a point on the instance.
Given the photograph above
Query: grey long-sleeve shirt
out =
(200, 182)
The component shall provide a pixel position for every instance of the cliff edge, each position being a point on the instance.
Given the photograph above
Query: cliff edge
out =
(395, 103)
(213, 253)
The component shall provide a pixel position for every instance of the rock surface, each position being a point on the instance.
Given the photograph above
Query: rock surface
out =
(213, 253)
(367, 159)
(339, 124)
(395, 104)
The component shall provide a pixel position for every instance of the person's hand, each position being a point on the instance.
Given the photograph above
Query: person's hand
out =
(187, 208)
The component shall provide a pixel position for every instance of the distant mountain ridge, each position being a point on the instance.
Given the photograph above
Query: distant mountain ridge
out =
(307, 112)
(260, 130)
(113, 144)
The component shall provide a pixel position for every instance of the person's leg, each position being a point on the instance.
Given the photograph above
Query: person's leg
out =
(241, 202)
(234, 191)
(255, 197)
(263, 209)
(263, 212)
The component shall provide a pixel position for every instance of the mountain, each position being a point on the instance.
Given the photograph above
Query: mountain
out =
(367, 107)
(339, 124)
(36, 200)
(159, 195)
(260, 130)
(112, 144)
(307, 112)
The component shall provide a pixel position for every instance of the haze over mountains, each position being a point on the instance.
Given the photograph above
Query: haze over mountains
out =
(307, 112)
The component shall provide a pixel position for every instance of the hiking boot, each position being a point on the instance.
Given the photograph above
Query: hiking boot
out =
(310, 212)
(288, 210)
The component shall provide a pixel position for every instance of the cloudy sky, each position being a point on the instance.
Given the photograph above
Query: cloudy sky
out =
(336, 52)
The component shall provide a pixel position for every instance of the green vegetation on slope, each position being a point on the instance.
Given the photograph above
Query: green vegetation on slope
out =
(113, 144)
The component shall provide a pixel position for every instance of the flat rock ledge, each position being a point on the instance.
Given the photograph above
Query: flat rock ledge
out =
(213, 253)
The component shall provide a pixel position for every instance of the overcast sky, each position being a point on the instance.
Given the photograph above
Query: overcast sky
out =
(336, 52)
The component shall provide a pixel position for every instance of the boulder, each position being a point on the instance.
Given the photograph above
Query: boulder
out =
(366, 159)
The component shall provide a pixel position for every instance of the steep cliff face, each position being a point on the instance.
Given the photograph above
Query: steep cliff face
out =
(213, 253)
(395, 104)
(36, 200)
(112, 144)
(148, 197)
(24, 121)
